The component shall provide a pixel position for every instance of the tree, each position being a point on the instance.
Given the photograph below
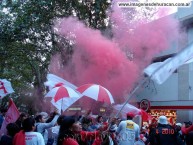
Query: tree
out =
(27, 40)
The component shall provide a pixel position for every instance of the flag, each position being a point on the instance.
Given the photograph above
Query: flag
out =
(128, 108)
(53, 80)
(161, 71)
(11, 116)
(5, 88)
(145, 115)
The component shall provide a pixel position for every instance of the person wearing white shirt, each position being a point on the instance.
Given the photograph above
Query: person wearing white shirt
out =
(42, 126)
(27, 136)
(34, 138)
(128, 131)
(55, 129)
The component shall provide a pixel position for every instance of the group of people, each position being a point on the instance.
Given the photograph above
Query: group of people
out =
(161, 132)
(57, 129)
(30, 130)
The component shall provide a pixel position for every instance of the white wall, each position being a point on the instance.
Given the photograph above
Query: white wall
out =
(172, 50)
(164, 92)
(190, 39)
(185, 13)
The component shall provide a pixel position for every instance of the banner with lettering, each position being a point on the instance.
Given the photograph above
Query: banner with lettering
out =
(11, 116)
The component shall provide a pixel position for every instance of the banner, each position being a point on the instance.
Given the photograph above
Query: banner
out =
(161, 71)
(11, 116)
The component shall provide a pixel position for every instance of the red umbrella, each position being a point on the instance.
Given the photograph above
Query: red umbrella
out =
(63, 97)
(96, 92)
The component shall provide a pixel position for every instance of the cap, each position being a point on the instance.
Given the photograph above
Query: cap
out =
(163, 120)
(44, 115)
(130, 114)
(179, 124)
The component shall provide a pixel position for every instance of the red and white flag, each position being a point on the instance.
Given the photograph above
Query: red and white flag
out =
(5, 88)
(11, 116)
(53, 80)
(132, 109)
(161, 71)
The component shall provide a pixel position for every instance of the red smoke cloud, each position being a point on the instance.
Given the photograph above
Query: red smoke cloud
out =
(97, 59)
(140, 35)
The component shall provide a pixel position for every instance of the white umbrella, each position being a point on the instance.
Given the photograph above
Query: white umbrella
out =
(127, 108)
(132, 109)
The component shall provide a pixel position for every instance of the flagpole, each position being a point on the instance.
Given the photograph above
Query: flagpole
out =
(139, 85)
(61, 106)
(128, 98)
(131, 94)
(188, 50)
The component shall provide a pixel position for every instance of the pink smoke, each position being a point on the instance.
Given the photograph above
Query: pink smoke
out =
(143, 37)
(99, 60)
(96, 59)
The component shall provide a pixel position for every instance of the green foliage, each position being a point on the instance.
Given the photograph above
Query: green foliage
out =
(27, 40)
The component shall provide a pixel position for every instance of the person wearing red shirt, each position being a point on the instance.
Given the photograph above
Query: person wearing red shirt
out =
(71, 133)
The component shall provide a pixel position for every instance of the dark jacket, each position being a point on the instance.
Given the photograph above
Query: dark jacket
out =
(6, 140)
(152, 133)
(189, 138)
(165, 135)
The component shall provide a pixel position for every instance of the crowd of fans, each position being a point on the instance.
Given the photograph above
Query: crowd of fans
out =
(57, 129)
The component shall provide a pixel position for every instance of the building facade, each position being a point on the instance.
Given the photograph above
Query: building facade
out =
(174, 98)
